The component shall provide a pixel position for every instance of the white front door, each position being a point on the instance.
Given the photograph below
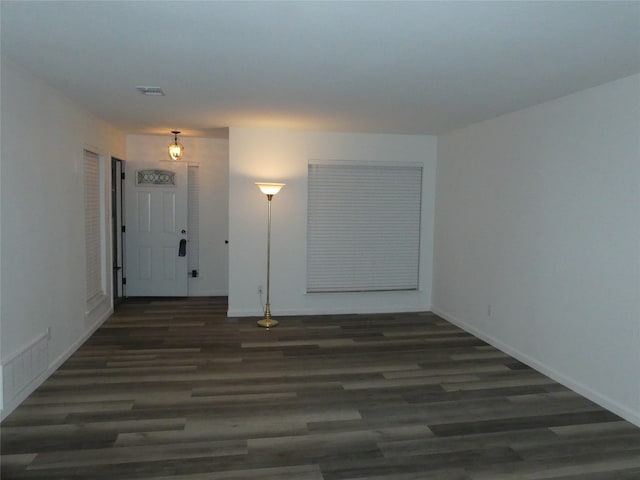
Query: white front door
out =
(156, 230)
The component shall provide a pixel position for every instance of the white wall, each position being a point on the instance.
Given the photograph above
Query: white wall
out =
(42, 216)
(282, 156)
(212, 157)
(537, 240)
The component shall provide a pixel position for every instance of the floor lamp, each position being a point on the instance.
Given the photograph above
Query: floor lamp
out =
(269, 189)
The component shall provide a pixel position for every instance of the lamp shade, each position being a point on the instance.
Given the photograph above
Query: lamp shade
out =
(269, 188)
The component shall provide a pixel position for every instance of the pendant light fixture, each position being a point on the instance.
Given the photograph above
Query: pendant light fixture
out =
(175, 149)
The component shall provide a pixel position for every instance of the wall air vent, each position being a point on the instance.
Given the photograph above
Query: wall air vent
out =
(151, 91)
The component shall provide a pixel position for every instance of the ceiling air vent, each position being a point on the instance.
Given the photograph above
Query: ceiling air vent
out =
(152, 91)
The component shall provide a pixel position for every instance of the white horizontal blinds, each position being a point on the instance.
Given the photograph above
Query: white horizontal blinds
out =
(193, 219)
(363, 231)
(92, 225)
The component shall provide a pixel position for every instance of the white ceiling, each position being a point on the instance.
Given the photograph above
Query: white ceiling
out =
(384, 67)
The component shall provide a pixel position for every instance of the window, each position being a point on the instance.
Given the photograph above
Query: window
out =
(94, 245)
(363, 231)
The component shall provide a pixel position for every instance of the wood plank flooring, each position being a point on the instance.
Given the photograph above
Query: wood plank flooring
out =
(174, 390)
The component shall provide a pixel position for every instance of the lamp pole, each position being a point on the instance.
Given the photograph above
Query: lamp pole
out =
(267, 321)
(269, 189)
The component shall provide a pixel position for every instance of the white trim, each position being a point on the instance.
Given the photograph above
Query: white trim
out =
(53, 366)
(27, 346)
(204, 292)
(193, 219)
(602, 400)
(357, 310)
(94, 302)
(359, 163)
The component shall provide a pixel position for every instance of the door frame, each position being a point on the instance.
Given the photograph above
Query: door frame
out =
(117, 229)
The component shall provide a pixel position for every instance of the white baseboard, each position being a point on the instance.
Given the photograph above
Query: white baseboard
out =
(595, 396)
(325, 311)
(207, 293)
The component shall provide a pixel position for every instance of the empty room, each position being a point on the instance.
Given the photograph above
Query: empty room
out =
(320, 240)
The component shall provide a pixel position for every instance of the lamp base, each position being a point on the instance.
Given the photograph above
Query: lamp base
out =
(267, 322)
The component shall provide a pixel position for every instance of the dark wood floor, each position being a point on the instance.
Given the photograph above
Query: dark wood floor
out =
(175, 390)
